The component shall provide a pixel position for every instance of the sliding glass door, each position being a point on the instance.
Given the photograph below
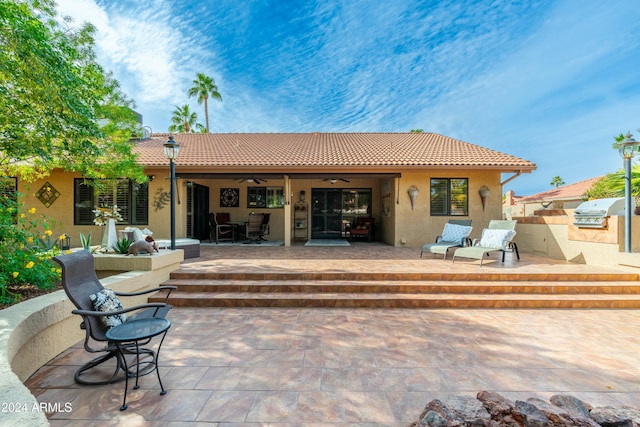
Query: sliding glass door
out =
(333, 209)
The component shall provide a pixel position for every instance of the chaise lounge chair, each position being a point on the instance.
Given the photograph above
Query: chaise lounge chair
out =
(455, 234)
(492, 240)
(506, 224)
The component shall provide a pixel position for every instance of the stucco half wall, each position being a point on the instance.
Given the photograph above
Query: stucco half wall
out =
(35, 331)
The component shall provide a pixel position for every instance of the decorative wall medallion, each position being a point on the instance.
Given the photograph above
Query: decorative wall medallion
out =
(47, 194)
(229, 197)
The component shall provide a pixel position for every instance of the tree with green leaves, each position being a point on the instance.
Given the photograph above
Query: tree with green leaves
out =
(613, 184)
(58, 107)
(556, 182)
(204, 87)
(184, 120)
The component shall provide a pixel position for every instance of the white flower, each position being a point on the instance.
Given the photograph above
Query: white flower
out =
(104, 213)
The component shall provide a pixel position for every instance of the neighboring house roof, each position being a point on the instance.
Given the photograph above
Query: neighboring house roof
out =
(233, 152)
(573, 191)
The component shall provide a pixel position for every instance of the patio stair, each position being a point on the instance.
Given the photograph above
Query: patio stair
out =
(398, 290)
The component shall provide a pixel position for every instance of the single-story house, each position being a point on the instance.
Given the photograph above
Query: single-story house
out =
(410, 183)
(565, 197)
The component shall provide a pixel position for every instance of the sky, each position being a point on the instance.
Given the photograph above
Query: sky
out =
(550, 81)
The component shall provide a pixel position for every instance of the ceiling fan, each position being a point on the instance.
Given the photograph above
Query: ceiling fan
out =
(334, 180)
(252, 180)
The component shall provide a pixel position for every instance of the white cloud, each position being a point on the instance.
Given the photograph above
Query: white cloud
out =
(153, 59)
(537, 79)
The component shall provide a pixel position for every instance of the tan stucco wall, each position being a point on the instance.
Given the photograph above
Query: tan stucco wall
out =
(402, 225)
(35, 331)
(62, 209)
(416, 227)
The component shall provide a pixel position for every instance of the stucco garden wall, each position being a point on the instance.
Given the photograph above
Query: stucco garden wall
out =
(556, 237)
(35, 331)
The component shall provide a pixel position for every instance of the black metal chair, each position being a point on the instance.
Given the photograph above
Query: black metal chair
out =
(265, 227)
(79, 281)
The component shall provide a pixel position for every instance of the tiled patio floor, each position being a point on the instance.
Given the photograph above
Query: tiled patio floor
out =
(309, 366)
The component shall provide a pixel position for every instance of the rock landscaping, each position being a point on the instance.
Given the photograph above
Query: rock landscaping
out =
(490, 409)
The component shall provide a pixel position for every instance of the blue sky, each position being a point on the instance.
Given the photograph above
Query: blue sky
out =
(549, 81)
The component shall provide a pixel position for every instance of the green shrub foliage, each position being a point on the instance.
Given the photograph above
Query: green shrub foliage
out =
(27, 243)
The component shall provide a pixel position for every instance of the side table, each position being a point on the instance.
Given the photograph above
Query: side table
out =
(128, 337)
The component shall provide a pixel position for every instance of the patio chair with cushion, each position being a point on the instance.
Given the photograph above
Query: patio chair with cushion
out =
(363, 227)
(221, 230)
(100, 309)
(253, 230)
(492, 240)
(455, 234)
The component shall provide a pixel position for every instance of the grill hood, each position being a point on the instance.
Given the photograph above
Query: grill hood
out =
(594, 213)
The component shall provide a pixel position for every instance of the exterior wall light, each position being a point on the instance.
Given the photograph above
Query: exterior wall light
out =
(484, 195)
(413, 195)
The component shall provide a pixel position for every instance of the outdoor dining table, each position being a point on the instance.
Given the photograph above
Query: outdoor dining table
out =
(238, 228)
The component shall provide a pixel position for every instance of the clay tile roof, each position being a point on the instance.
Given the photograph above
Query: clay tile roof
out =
(573, 191)
(336, 150)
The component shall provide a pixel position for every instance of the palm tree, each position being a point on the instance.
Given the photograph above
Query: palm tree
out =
(557, 181)
(203, 88)
(183, 120)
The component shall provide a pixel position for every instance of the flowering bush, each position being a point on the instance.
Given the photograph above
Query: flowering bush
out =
(104, 213)
(26, 248)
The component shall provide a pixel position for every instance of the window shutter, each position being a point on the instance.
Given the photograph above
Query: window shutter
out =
(84, 202)
(459, 196)
(122, 199)
(439, 198)
(139, 203)
(131, 198)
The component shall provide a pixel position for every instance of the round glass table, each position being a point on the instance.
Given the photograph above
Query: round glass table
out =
(128, 338)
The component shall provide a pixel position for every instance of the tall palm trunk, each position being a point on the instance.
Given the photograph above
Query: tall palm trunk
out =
(206, 112)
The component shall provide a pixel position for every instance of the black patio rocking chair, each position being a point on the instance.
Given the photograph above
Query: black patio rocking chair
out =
(79, 281)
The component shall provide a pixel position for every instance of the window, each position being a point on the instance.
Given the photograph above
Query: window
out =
(265, 197)
(450, 196)
(9, 194)
(131, 198)
(9, 188)
(275, 197)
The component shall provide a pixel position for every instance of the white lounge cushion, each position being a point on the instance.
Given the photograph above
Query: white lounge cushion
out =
(455, 232)
(496, 238)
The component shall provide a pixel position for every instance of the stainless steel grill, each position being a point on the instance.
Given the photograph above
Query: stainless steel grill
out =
(595, 213)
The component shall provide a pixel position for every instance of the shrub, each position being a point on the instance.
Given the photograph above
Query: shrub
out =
(27, 244)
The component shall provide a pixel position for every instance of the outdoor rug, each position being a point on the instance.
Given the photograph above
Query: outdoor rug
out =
(327, 242)
(241, 243)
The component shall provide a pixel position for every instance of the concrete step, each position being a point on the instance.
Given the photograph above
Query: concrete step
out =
(404, 287)
(404, 300)
(490, 275)
(402, 294)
